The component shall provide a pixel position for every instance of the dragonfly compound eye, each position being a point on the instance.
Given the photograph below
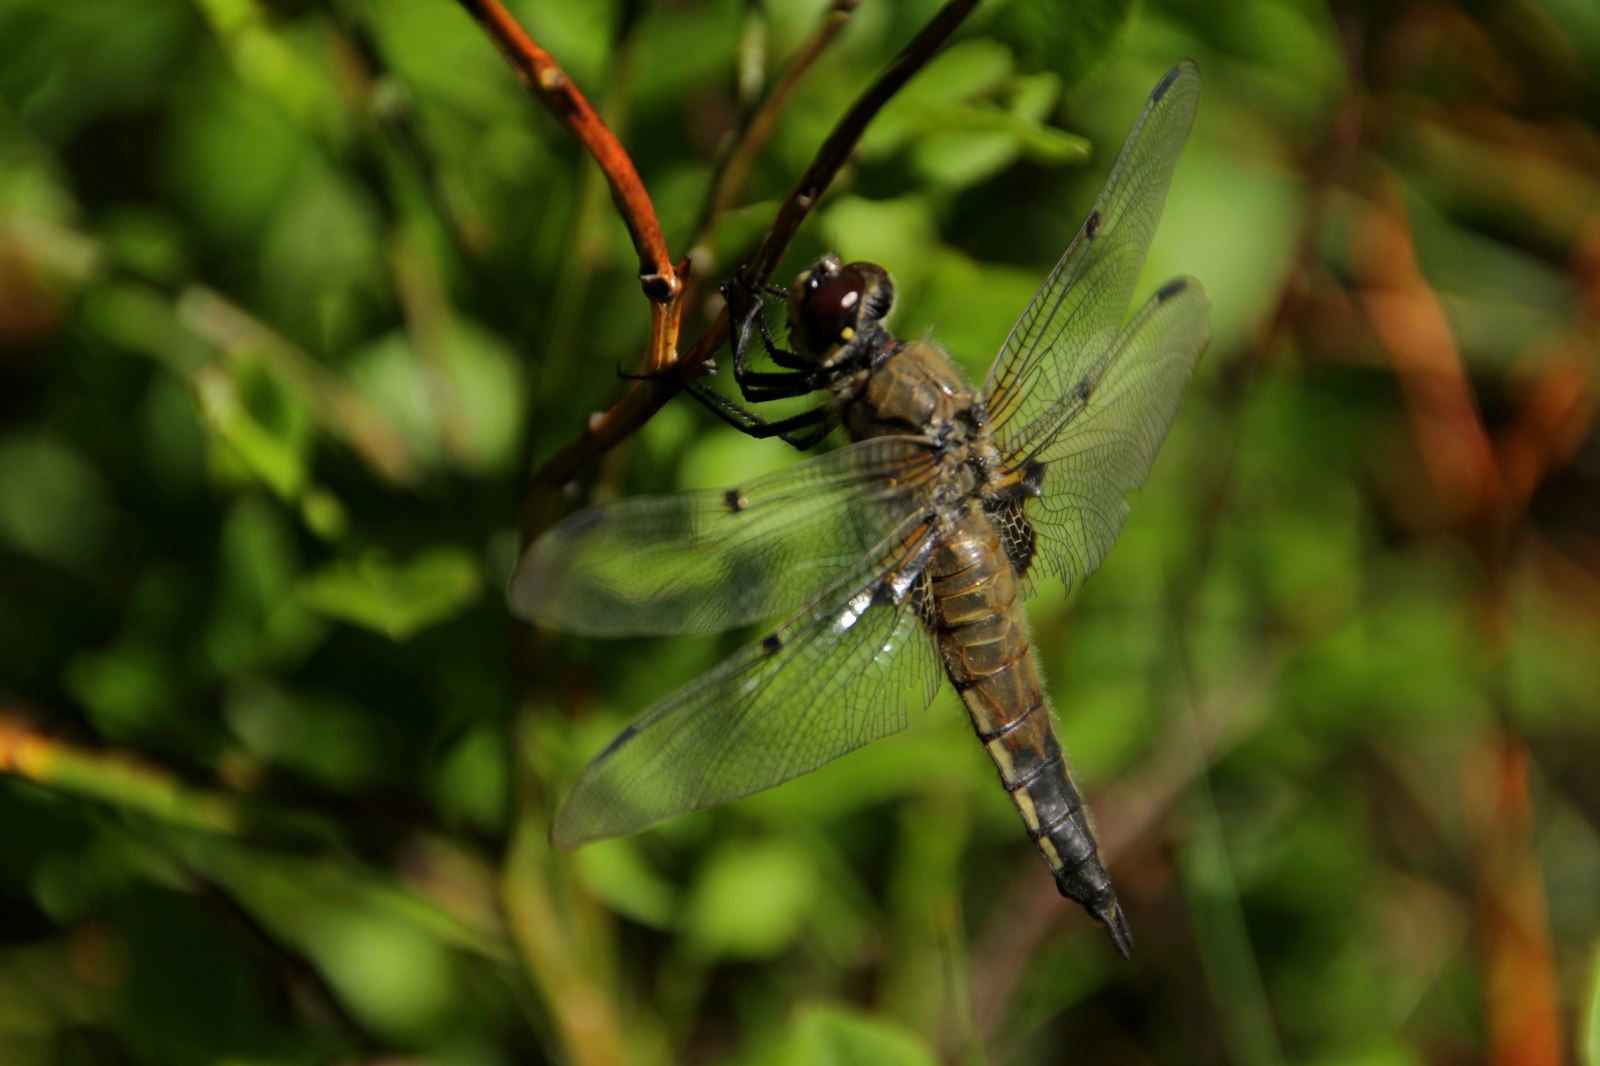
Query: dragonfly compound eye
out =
(830, 305)
(826, 309)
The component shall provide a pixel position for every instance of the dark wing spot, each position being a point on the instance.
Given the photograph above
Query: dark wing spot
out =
(622, 738)
(1171, 289)
(771, 643)
(1029, 486)
(1082, 391)
(1164, 84)
(1033, 479)
(735, 501)
(1091, 225)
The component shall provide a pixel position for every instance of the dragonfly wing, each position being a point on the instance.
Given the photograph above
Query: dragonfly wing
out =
(1072, 323)
(847, 669)
(701, 562)
(1122, 416)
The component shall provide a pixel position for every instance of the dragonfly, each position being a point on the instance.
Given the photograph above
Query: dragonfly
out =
(902, 559)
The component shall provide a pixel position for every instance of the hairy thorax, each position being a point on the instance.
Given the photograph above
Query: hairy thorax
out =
(915, 389)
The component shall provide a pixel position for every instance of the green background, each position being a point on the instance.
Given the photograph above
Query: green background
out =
(294, 295)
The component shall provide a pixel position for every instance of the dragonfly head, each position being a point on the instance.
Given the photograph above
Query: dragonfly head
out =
(833, 303)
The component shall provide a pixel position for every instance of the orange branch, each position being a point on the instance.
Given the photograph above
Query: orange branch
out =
(114, 777)
(1412, 327)
(539, 71)
(1521, 1001)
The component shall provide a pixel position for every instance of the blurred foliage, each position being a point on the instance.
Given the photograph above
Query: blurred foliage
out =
(293, 295)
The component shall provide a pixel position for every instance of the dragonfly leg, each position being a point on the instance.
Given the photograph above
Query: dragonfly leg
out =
(782, 356)
(818, 420)
(747, 312)
(759, 386)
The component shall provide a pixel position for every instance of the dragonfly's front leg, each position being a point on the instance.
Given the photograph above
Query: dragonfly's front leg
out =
(746, 311)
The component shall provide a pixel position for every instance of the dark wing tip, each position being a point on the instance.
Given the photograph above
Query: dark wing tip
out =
(1109, 914)
(1171, 289)
(1183, 66)
(1181, 286)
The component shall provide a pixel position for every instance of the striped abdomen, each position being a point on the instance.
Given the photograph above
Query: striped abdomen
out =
(983, 637)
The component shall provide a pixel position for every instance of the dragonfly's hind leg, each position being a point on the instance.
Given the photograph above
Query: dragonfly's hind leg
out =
(818, 420)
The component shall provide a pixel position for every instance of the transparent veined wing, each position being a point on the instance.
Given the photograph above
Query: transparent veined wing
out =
(701, 562)
(845, 670)
(1071, 325)
(1120, 415)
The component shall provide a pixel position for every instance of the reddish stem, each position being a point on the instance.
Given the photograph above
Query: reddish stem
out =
(539, 71)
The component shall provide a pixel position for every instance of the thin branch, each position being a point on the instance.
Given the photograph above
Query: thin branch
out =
(645, 398)
(1416, 335)
(546, 80)
(133, 783)
(1521, 999)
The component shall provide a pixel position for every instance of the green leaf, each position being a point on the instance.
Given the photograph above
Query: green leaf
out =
(255, 623)
(826, 1035)
(1068, 42)
(397, 600)
(459, 404)
(258, 421)
(616, 874)
(326, 738)
(970, 115)
(53, 505)
(753, 899)
(972, 144)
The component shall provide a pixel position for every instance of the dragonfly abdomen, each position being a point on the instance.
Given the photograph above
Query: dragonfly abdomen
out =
(982, 635)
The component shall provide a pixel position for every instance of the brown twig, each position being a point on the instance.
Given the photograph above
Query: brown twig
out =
(644, 399)
(1521, 1000)
(1415, 334)
(545, 79)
